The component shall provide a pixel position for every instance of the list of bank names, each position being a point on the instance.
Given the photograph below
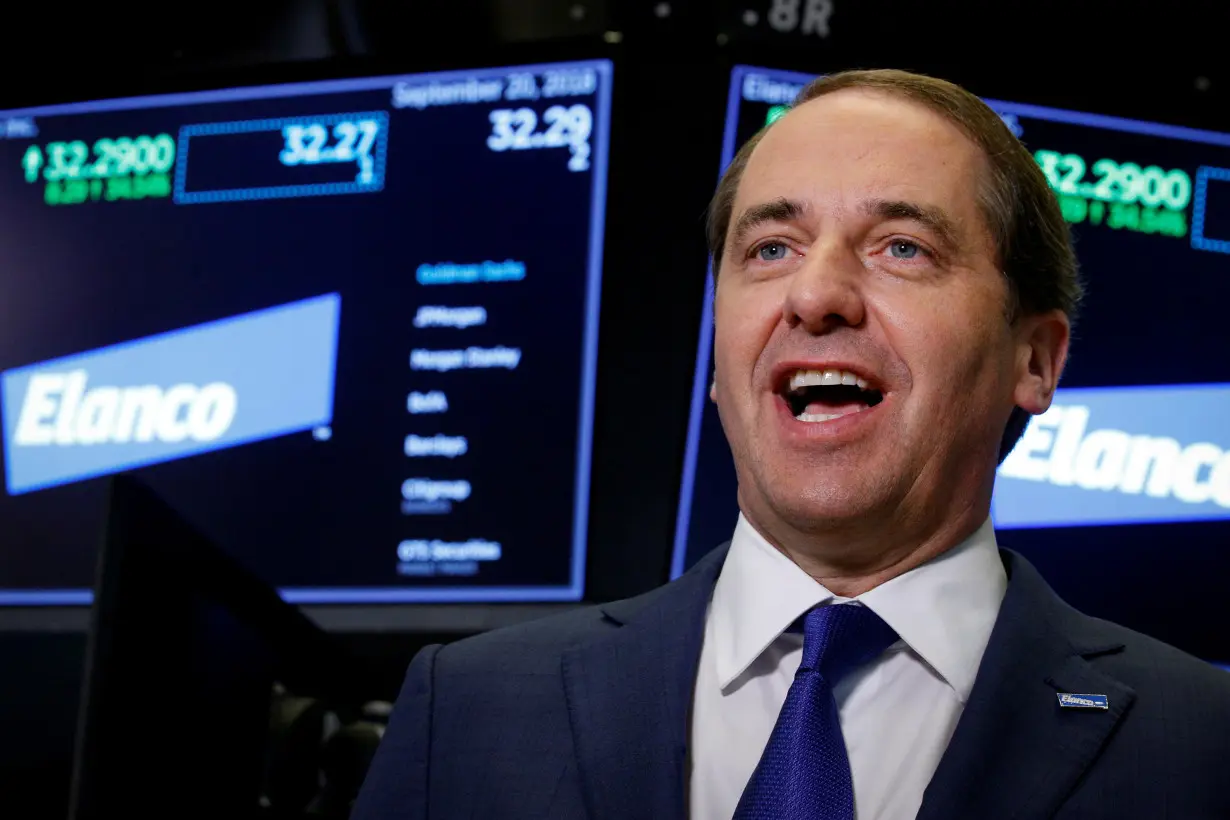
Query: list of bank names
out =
(424, 492)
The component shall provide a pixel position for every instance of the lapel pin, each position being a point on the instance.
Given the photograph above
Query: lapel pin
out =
(1083, 701)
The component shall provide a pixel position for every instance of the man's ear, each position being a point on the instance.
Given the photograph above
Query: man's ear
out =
(1042, 349)
(713, 389)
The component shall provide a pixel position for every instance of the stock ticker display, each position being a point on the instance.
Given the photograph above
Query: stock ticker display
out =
(1124, 484)
(347, 328)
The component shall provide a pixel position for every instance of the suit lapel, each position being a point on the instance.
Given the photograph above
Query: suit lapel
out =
(1015, 752)
(629, 695)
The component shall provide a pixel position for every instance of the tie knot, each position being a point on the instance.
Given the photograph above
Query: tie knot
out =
(842, 637)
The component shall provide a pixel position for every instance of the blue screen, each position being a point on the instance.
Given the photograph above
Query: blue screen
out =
(347, 328)
(1121, 492)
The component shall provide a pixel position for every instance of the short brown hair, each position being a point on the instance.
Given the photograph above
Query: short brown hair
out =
(1032, 240)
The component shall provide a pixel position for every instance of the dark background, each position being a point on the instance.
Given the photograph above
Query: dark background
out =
(1162, 63)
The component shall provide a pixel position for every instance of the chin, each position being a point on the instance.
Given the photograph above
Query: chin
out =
(826, 507)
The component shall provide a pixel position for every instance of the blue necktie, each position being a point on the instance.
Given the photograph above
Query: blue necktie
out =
(804, 773)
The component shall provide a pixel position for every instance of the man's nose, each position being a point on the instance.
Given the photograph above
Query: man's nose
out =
(826, 291)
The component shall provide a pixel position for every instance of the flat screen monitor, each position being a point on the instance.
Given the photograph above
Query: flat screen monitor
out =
(1120, 493)
(180, 677)
(348, 328)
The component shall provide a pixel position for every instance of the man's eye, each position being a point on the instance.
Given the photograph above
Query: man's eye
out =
(904, 249)
(771, 252)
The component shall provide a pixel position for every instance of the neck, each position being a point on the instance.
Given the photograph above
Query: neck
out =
(850, 559)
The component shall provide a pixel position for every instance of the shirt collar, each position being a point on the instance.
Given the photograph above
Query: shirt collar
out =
(943, 610)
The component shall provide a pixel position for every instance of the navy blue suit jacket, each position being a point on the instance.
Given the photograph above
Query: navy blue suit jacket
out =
(585, 715)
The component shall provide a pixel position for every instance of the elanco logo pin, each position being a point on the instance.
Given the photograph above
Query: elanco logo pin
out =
(1083, 701)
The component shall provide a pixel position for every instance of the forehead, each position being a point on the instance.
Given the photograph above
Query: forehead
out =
(854, 144)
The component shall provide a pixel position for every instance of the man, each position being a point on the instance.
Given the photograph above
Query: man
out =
(895, 289)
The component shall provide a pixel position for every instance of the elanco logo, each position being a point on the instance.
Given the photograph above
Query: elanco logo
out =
(59, 409)
(1061, 451)
(1118, 455)
(202, 388)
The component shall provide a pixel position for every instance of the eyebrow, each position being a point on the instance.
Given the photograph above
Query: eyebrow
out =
(929, 216)
(788, 210)
(777, 210)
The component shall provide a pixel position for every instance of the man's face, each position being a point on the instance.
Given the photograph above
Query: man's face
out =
(865, 367)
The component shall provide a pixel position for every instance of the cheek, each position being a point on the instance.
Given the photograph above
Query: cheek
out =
(953, 339)
(744, 320)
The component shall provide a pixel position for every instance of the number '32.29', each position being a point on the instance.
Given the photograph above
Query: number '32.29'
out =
(516, 129)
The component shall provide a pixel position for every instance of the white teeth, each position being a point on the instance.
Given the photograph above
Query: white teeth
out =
(818, 378)
(805, 416)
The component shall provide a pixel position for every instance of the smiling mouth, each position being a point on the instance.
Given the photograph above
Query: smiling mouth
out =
(822, 395)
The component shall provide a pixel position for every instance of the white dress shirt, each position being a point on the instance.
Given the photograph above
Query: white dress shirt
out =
(897, 713)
